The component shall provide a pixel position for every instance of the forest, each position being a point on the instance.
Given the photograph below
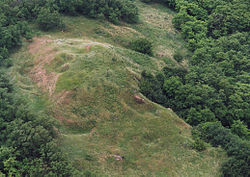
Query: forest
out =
(212, 94)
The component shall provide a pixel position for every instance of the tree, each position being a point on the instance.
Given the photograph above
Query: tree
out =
(171, 86)
(240, 129)
(49, 19)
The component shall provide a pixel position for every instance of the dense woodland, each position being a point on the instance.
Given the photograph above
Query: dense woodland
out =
(213, 94)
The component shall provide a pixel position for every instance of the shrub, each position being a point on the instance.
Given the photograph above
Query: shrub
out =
(236, 148)
(49, 19)
(235, 167)
(142, 45)
(199, 144)
(178, 56)
(240, 129)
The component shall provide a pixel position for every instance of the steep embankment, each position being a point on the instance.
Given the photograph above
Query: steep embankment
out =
(89, 83)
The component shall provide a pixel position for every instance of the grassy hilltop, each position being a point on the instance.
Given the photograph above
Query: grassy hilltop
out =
(87, 79)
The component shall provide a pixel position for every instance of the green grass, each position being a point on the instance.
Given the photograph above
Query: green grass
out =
(99, 117)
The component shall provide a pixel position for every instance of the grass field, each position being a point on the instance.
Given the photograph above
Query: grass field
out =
(87, 79)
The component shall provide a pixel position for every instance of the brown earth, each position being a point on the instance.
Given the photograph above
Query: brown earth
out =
(44, 53)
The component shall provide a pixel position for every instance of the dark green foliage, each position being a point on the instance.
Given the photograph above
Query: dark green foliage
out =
(142, 45)
(49, 19)
(152, 87)
(12, 29)
(113, 10)
(178, 56)
(237, 149)
(181, 18)
(219, 18)
(169, 3)
(228, 18)
(240, 129)
(199, 144)
(235, 167)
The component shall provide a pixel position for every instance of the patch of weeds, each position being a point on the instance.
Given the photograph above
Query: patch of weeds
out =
(59, 63)
(83, 111)
(149, 137)
(89, 157)
(179, 55)
(169, 62)
(88, 125)
(101, 32)
(82, 127)
(80, 50)
(89, 173)
(70, 80)
(198, 143)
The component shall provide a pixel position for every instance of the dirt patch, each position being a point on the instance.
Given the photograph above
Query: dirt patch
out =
(44, 53)
(37, 43)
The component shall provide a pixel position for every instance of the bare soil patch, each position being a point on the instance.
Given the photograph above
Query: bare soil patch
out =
(44, 53)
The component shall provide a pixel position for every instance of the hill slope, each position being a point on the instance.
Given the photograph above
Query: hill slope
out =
(89, 82)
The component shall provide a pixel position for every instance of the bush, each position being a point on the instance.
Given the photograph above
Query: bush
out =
(199, 144)
(113, 10)
(240, 129)
(49, 19)
(235, 167)
(178, 56)
(142, 45)
(236, 148)
(169, 3)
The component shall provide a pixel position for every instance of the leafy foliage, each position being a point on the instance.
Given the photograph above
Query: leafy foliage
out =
(240, 129)
(169, 3)
(142, 45)
(199, 144)
(113, 10)
(236, 148)
(178, 56)
(48, 19)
